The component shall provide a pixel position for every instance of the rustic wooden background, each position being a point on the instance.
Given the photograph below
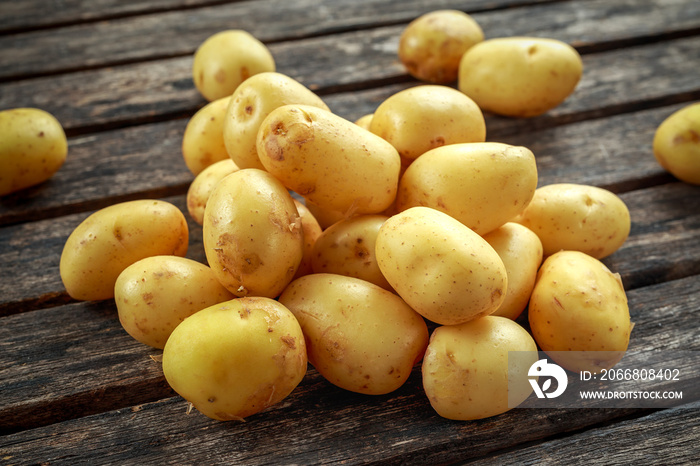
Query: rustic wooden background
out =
(75, 388)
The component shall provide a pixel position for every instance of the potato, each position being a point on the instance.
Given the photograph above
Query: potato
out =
(577, 217)
(155, 294)
(252, 232)
(432, 45)
(113, 238)
(203, 139)
(441, 268)
(325, 217)
(359, 336)
(329, 160)
(226, 59)
(201, 187)
(520, 249)
(236, 358)
(312, 231)
(519, 76)
(347, 248)
(676, 144)
(466, 371)
(483, 185)
(33, 148)
(364, 121)
(421, 118)
(251, 103)
(578, 312)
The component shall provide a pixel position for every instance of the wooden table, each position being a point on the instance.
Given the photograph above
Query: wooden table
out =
(75, 388)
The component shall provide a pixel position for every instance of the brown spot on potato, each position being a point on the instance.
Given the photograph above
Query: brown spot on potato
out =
(289, 341)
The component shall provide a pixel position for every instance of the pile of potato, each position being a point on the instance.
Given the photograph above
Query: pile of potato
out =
(342, 243)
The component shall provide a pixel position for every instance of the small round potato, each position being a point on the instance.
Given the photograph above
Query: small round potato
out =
(483, 185)
(203, 139)
(577, 217)
(347, 248)
(33, 147)
(329, 160)
(236, 358)
(253, 237)
(421, 118)
(578, 312)
(113, 238)
(676, 144)
(520, 76)
(252, 101)
(312, 231)
(359, 336)
(226, 59)
(432, 45)
(201, 187)
(466, 370)
(520, 249)
(155, 294)
(441, 268)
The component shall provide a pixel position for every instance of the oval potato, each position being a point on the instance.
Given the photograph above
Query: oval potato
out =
(203, 139)
(483, 185)
(33, 147)
(312, 230)
(111, 239)
(569, 216)
(441, 268)
(676, 144)
(201, 187)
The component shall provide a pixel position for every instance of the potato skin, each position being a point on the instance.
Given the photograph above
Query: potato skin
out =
(237, 358)
(312, 231)
(155, 294)
(578, 305)
(33, 147)
(441, 268)
(465, 368)
(461, 179)
(252, 232)
(519, 76)
(203, 139)
(676, 144)
(112, 238)
(421, 118)
(227, 58)
(201, 187)
(252, 101)
(521, 251)
(569, 216)
(359, 336)
(330, 161)
(432, 45)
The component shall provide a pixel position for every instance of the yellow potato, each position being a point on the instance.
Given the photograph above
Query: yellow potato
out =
(483, 185)
(33, 147)
(329, 160)
(421, 118)
(236, 358)
(325, 217)
(364, 121)
(202, 185)
(226, 59)
(577, 217)
(312, 231)
(521, 252)
(347, 248)
(203, 139)
(252, 232)
(441, 268)
(113, 238)
(676, 144)
(359, 336)
(431, 46)
(519, 76)
(578, 312)
(252, 101)
(466, 371)
(155, 294)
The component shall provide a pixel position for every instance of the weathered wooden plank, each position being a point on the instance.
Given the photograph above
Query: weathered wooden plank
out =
(653, 439)
(31, 252)
(318, 422)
